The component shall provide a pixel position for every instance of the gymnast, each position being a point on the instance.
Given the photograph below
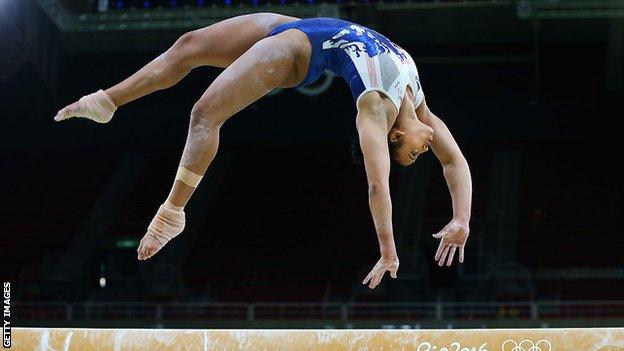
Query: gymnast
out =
(264, 51)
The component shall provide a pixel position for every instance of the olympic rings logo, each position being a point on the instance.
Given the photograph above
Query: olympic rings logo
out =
(526, 345)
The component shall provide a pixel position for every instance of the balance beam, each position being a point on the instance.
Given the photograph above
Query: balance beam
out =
(573, 339)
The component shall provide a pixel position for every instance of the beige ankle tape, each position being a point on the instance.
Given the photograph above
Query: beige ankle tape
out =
(168, 223)
(98, 106)
(187, 177)
(109, 100)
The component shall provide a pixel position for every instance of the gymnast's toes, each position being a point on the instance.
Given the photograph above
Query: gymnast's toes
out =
(66, 112)
(148, 247)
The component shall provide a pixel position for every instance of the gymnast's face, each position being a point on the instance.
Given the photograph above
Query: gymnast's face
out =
(409, 140)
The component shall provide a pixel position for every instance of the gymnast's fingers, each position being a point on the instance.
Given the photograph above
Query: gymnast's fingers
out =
(451, 255)
(368, 277)
(461, 254)
(443, 256)
(377, 279)
(439, 252)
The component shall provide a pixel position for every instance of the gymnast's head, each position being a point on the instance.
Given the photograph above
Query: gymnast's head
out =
(409, 137)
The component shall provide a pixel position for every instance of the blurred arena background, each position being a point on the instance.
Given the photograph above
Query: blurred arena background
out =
(279, 234)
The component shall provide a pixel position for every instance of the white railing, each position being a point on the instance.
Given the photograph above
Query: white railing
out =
(435, 311)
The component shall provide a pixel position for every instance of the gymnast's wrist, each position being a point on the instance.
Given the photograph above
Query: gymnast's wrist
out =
(388, 251)
(462, 219)
(389, 255)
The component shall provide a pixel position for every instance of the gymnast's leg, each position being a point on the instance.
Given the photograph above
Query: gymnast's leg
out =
(270, 63)
(217, 45)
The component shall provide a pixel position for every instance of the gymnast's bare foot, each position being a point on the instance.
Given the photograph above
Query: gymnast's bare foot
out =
(167, 224)
(148, 247)
(98, 107)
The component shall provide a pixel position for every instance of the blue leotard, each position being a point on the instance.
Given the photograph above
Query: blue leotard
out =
(366, 59)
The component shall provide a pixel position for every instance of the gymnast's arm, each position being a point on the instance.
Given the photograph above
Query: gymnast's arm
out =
(373, 133)
(458, 180)
(373, 141)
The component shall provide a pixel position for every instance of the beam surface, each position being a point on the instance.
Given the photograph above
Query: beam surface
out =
(587, 339)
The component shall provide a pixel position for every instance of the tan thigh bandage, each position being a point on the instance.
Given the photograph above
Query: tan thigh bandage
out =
(187, 177)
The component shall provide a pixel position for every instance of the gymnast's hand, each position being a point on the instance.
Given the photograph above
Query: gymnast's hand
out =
(168, 223)
(390, 264)
(454, 236)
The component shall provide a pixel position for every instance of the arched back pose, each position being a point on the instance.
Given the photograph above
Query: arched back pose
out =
(264, 51)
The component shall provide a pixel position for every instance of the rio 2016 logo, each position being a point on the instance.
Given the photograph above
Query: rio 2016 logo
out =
(526, 345)
(455, 346)
(508, 345)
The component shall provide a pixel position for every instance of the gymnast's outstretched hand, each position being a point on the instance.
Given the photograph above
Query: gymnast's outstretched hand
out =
(390, 264)
(166, 225)
(454, 236)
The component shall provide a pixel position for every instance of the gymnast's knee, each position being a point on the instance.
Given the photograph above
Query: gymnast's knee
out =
(181, 54)
(203, 117)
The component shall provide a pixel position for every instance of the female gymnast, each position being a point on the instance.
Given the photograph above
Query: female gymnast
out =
(264, 51)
